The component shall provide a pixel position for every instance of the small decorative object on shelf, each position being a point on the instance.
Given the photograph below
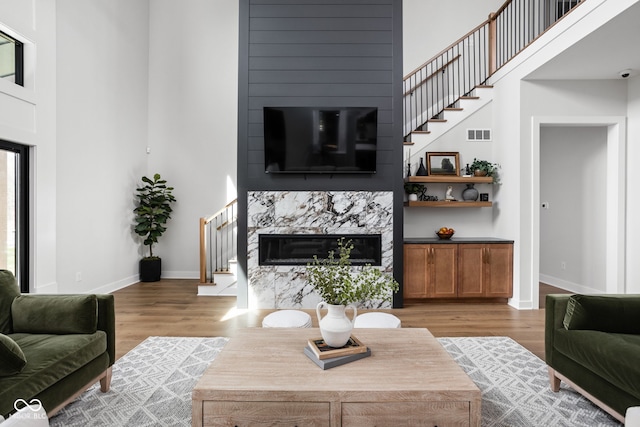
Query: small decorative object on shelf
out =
(422, 171)
(470, 194)
(449, 194)
(443, 163)
(413, 190)
(484, 197)
(486, 168)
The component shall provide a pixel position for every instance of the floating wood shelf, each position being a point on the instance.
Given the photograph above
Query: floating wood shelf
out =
(450, 179)
(449, 204)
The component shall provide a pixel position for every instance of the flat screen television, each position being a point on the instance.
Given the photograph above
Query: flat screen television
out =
(320, 140)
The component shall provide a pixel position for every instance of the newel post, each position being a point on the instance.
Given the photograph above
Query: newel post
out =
(203, 252)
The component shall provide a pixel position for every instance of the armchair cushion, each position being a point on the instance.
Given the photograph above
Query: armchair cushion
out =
(12, 358)
(619, 314)
(8, 291)
(55, 314)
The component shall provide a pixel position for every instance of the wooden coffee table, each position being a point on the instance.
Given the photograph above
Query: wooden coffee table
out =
(262, 377)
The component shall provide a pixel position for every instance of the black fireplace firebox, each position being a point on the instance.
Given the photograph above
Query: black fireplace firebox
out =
(299, 249)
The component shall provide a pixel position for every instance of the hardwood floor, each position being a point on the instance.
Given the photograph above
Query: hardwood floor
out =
(172, 308)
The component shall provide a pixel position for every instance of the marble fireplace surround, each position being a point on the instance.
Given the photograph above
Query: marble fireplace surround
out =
(310, 212)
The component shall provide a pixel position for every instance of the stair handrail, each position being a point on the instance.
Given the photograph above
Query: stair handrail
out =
(439, 54)
(222, 247)
(503, 35)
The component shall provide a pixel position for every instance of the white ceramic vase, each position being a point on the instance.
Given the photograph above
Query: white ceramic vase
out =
(336, 327)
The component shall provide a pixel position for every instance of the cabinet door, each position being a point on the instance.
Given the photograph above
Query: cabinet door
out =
(471, 258)
(415, 271)
(485, 270)
(442, 271)
(499, 271)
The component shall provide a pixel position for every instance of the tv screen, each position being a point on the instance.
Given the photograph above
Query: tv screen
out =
(320, 140)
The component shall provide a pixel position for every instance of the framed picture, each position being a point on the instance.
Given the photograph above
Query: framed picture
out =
(443, 163)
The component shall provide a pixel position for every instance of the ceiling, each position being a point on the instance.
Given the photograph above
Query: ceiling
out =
(602, 54)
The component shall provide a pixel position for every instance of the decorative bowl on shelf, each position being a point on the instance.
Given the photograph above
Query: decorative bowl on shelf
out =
(445, 233)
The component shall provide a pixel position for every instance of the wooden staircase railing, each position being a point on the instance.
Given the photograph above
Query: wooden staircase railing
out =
(218, 242)
(467, 63)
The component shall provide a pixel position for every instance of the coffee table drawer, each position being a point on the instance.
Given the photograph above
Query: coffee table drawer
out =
(242, 414)
(392, 414)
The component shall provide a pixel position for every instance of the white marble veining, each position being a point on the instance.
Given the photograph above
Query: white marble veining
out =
(310, 212)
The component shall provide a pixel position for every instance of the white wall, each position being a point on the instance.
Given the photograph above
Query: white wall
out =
(119, 92)
(29, 117)
(633, 202)
(102, 132)
(573, 226)
(430, 26)
(193, 86)
(564, 99)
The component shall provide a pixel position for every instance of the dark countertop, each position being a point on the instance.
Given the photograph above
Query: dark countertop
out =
(454, 240)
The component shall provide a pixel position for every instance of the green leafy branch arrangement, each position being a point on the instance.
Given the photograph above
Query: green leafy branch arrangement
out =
(338, 283)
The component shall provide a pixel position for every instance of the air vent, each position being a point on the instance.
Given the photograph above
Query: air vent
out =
(478, 134)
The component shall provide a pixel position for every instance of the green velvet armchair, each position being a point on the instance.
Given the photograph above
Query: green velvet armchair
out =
(52, 347)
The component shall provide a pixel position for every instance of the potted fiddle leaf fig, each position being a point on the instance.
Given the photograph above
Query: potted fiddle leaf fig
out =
(151, 215)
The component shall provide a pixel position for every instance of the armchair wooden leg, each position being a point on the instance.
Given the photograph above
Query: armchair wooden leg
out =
(105, 382)
(553, 380)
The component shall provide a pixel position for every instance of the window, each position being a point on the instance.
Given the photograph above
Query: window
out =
(11, 59)
(14, 209)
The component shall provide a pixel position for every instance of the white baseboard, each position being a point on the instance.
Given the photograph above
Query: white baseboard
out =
(114, 286)
(180, 275)
(569, 286)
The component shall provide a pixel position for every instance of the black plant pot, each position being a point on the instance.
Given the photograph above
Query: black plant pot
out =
(150, 269)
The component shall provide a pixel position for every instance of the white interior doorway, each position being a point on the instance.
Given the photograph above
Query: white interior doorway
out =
(589, 255)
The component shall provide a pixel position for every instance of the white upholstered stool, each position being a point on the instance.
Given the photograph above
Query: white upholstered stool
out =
(632, 418)
(287, 319)
(377, 320)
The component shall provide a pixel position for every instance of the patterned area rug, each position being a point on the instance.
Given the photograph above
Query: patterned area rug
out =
(515, 386)
(152, 386)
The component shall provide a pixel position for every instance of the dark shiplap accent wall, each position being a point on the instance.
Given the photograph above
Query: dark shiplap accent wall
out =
(324, 54)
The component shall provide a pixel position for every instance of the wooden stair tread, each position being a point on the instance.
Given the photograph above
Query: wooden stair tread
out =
(469, 97)
(453, 109)
(437, 120)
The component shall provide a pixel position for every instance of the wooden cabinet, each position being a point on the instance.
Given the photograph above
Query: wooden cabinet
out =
(485, 270)
(430, 271)
(460, 270)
